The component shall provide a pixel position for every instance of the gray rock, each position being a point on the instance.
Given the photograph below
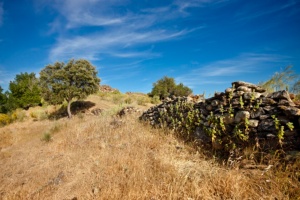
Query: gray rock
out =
(228, 90)
(280, 95)
(290, 110)
(262, 117)
(283, 119)
(256, 113)
(241, 115)
(209, 107)
(267, 125)
(244, 89)
(238, 93)
(200, 134)
(215, 103)
(235, 102)
(290, 133)
(271, 136)
(268, 108)
(248, 95)
(268, 101)
(253, 122)
(285, 102)
(228, 119)
(207, 124)
(249, 85)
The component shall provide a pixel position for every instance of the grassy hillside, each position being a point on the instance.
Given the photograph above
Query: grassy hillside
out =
(105, 157)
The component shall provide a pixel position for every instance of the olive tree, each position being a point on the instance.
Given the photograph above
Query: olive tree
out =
(64, 82)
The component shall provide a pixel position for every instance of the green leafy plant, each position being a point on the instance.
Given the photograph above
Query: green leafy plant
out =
(222, 109)
(258, 103)
(290, 125)
(241, 102)
(280, 134)
(238, 133)
(276, 122)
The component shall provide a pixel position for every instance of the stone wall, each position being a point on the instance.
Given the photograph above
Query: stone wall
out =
(243, 115)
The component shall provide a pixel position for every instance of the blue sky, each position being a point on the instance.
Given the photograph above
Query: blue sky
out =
(205, 44)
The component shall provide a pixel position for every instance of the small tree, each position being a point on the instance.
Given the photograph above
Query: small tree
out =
(280, 80)
(182, 90)
(65, 82)
(24, 91)
(166, 87)
(163, 87)
(296, 87)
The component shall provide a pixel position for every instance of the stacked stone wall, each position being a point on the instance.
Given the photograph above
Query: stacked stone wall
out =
(241, 116)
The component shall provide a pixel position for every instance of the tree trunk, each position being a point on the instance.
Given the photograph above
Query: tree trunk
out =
(69, 109)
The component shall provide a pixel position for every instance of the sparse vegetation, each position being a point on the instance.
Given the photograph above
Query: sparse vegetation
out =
(47, 137)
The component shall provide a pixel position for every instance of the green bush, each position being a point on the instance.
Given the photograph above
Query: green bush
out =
(166, 87)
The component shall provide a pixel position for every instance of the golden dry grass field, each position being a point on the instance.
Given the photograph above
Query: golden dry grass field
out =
(104, 157)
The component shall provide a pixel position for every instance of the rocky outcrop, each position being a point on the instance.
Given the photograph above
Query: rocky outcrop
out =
(242, 115)
(106, 88)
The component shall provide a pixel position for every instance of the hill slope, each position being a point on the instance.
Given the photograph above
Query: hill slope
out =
(104, 157)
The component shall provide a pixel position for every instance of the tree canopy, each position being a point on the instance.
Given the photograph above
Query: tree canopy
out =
(166, 87)
(3, 101)
(24, 91)
(64, 82)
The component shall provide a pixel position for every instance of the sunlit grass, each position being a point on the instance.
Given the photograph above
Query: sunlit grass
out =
(91, 158)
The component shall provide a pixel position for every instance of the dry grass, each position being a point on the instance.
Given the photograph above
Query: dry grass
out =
(99, 157)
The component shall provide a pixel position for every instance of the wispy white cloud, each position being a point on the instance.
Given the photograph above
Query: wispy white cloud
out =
(247, 64)
(117, 31)
(97, 45)
(184, 5)
(259, 11)
(1, 13)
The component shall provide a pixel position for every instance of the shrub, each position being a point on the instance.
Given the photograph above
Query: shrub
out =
(128, 100)
(39, 115)
(143, 100)
(155, 99)
(4, 119)
(117, 98)
(46, 137)
(18, 115)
